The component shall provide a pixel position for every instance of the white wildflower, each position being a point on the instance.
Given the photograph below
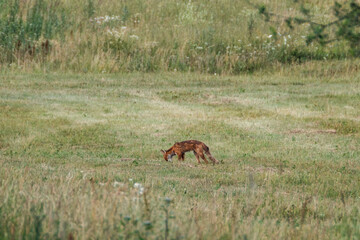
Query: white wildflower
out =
(139, 187)
(116, 184)
(134, 37)
(106, 18)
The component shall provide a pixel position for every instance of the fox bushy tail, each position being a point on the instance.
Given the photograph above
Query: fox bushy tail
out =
(207, 152)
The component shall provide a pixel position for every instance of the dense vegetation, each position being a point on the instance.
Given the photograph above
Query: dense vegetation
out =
(111, 36)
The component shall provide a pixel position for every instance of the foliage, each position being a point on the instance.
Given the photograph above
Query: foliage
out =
(128, 36)
(27, 34)
(346, 24)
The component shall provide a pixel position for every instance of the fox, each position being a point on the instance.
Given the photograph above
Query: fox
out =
(180, 148)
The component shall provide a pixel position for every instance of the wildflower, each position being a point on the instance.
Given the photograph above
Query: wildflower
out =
(116, 184)
(270, 36)
(106, 18)
(134, 37)
(140, 188)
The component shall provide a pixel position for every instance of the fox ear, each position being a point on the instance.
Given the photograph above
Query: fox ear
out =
(162, 151)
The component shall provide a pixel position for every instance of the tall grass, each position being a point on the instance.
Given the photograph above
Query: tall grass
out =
(110, 36)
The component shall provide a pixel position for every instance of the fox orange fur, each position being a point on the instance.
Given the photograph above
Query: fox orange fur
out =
(180, 148)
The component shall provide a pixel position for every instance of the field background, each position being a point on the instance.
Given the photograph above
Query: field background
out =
(88, 101)
(73, 147)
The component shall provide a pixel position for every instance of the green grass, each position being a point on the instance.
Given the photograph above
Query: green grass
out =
(72, 146)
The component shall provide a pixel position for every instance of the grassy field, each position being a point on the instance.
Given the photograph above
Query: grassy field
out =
(80, 155)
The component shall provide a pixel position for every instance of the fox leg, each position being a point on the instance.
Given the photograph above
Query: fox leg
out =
(179, 156)
(197, 157)
(182, 156)
(211, 157)
(203, 157)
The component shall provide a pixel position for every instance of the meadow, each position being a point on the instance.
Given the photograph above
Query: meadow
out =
(80, 155)
(92, 90)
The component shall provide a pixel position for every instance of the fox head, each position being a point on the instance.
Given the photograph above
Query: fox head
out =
(167, 155)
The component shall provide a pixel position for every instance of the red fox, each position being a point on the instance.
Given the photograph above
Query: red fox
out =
(180, 148)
